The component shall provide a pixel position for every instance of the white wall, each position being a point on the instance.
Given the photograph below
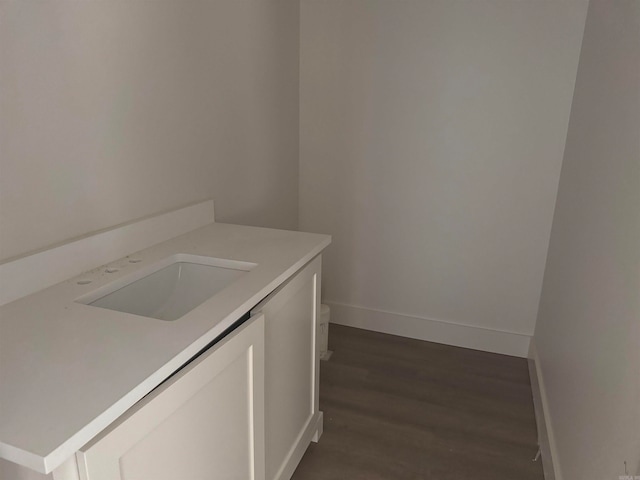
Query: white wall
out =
(588, 332)
(111, 110)
(432, 135)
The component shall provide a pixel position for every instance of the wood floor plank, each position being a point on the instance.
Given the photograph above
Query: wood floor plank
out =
(403, 409)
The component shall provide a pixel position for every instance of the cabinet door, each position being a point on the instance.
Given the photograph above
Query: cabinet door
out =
(292, 418)
(206, 422)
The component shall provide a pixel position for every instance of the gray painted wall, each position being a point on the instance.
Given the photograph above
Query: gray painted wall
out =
(113, 110)
(432, 135)
(588, 331)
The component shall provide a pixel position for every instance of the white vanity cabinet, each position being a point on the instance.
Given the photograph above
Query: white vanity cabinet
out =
(244, 409)
(291, 370)
(205, 422)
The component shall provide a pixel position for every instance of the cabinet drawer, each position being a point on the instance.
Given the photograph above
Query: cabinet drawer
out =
(205, 422)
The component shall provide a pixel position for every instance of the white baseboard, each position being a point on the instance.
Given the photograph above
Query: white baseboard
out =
(546, 439)
(319, 428)
(467, 336)
(33, 272)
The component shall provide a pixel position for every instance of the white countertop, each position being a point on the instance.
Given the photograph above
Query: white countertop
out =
(68, 370)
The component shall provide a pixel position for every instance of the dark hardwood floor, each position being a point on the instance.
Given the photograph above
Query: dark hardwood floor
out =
(396, 408)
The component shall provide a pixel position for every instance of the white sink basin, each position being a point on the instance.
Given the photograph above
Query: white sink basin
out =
(169, 289)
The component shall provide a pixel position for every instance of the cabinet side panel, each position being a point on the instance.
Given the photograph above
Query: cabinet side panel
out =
(290, 371)
(289, 385)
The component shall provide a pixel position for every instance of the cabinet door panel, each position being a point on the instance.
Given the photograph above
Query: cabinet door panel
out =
(291, 370)
(207, 422)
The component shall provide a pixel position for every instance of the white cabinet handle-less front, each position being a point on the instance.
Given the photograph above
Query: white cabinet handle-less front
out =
(206, 422)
